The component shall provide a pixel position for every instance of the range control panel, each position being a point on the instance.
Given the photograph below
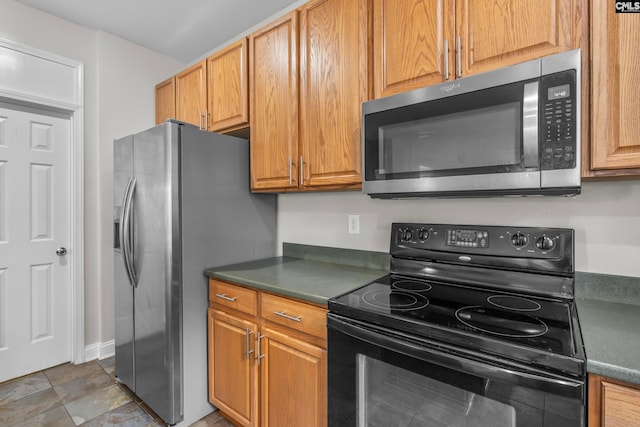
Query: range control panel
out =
(499, 241)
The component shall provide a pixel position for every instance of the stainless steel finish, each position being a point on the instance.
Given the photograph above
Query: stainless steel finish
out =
(258, 355)
(225, 297)
(61, 251)
(191, 210)
(530, 125)
(563, 181)
(446, 59)
(127, 233)
(248, 352)
(301, 166)
(286, 316)
(521, 180)
(458, 58)
(290, 170)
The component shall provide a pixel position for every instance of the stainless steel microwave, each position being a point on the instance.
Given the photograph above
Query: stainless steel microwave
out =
(511, 131)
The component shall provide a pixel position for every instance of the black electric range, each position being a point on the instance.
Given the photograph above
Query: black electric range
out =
(506, 292)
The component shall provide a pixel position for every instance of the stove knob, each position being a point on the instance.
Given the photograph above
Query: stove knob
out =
(423, 234)
(407, 235)
(545, 243)
(519, 240)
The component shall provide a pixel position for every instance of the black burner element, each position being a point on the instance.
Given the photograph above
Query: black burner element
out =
(501, 322)
(395, 300)
(411, 285)
(511, 302)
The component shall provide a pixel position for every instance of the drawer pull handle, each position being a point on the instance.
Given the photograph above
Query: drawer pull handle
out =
(248, 332)
(225, 297)
(258, 355)
(286, 316)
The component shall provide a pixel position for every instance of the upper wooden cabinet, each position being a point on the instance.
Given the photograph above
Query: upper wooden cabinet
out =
(273, 75)
(334, 81)
(409, 38)
(305, 108)
(615, 131)
(228, 88)
(421, 42)
(191, 95)
(166, 100)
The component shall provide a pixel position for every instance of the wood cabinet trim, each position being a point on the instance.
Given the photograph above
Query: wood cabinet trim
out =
(604, 391)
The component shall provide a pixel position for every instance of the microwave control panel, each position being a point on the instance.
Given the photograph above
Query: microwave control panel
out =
(558, 121)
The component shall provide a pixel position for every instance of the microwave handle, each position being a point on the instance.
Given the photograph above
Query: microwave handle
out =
(530, 125)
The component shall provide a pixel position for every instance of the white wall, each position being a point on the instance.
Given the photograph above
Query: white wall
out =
(606, 219)
(119, 99)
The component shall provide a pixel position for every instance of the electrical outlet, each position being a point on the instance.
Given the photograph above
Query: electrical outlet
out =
(354, 224)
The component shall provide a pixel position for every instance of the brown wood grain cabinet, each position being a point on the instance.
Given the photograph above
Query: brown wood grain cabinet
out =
(613, 403)
(309, 74)
(166, 100)
(267, 358)
(191, 95)
(421, 42)
(228, 88)
(273, 75)
(334, 81)
(615, 129)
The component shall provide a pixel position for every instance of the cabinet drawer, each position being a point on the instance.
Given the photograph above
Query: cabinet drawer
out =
(296, 315)
(232, 296)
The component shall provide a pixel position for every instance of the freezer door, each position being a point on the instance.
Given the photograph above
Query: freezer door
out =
(156, 261)
(124, 319)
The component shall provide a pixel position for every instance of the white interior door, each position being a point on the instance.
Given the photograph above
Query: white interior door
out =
(35, 289)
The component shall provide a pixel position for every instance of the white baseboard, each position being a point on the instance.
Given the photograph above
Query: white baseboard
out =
(99, 350)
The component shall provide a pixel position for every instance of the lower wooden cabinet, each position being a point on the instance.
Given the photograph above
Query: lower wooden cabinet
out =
(293, 377)
(613, 403)
(267, 358)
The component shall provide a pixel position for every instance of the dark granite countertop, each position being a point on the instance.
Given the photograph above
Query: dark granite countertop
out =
(609, 314)
(608, 306)
(308, 273)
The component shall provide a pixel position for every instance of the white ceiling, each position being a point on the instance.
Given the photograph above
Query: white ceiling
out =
(183, 29)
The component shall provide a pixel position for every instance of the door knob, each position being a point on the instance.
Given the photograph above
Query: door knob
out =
(61, 251)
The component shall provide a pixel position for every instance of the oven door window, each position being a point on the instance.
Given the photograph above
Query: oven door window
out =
(389, 395)
(377, 379)
(475, 133)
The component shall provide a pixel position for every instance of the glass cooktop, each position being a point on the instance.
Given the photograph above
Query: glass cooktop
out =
(480, 318)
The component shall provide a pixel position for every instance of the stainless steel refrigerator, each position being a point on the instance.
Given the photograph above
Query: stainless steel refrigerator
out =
(182, 204)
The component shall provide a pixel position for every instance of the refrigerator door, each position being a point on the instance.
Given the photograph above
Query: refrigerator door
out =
(124, 316)
(156, 262)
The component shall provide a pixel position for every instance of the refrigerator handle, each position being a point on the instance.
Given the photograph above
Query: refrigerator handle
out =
(127, 241)
(121, 230)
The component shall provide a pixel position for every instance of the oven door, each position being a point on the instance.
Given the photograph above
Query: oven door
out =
(381, 378)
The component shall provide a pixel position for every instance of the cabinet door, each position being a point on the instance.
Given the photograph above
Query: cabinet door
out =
(165, 100)
(293, 382)
(273, 75)
(409, 39)
(191, 95)
(228, 88)
(613, 403)
(334, 81)
(496, 33)
(233, 380)
(615, 102)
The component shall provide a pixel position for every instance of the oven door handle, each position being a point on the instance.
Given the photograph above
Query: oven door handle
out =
(389, 340)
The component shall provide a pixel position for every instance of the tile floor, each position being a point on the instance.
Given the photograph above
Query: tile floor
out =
(79, 395)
